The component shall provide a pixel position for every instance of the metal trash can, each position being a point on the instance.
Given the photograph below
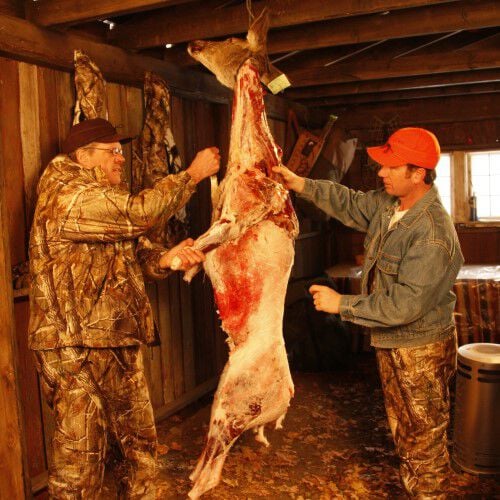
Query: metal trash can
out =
(476, 431)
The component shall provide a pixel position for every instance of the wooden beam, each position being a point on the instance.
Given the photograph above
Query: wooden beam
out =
(395, 68)
(13, 467)
(208, 20)
(403, 95)
(473, 108)
(398, 24)
(11, 8)
(51, 12)
(489, 41)
(347, 54)
(392, 84)
(24, 41)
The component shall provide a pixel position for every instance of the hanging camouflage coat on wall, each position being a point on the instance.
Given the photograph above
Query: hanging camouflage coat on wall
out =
(91, 101)
(155, 155)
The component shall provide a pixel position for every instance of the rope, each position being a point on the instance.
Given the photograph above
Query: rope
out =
(249, 9)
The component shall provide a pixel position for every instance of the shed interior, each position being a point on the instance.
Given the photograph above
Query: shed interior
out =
(376, 66)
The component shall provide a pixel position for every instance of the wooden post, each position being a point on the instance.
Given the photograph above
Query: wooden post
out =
(460, 185)
(13, 466)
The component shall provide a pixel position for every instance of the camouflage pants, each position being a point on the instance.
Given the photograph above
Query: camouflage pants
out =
(415, 384)
(97, 394)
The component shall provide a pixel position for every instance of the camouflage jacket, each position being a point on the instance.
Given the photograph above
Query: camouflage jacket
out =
(87, 288)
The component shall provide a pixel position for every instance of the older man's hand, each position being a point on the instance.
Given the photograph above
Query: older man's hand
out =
(184, 255)
(205, 163)
(325, 299)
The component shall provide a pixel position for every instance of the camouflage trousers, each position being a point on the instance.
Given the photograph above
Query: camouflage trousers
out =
(415, 384)
(98, 395)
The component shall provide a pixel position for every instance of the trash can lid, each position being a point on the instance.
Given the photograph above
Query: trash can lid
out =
(482, 352)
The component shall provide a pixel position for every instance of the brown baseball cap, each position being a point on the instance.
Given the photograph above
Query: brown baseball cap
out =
(94, 130)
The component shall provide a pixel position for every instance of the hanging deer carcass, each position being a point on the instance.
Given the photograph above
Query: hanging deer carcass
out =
(249, 254)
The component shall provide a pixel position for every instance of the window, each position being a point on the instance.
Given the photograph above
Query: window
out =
(485, 183)
(443, 180)
(462, 175)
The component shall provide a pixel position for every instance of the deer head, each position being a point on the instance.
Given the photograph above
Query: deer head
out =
(225, 57)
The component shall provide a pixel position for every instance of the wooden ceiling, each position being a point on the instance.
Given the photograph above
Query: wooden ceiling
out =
(335, 52)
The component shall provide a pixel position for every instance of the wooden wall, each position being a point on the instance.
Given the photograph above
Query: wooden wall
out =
(35, 114)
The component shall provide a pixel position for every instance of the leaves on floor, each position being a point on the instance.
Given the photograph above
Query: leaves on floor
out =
(335, 444)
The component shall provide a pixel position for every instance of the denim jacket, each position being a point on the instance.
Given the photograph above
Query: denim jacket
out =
(414, 264)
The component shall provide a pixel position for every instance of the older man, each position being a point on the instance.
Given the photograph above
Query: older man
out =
(89, 309)
(412, 257)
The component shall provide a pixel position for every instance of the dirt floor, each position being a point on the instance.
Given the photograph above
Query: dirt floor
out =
(335, 444)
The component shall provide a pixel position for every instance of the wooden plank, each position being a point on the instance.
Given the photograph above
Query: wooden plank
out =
(183, 128)
(10, 8)
(152, 355)
(460, 183)
(134, 103)
(135, 117)
(454, 90)
(186, 399)
(51, 12)
(396, 68)
(177, 359)
(66, 99)
(115, 105)
(403, 23)
(30, 133)
(48, 424)
(392, 84)
(209, 20)
(39, 482)
(166, 341)
(118, 115)
(10, 144)
(188, 335)
(205, 136)
(48, 116)
(13, 466)
(29, 393)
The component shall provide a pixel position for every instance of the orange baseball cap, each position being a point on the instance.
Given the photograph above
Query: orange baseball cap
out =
(412, 145)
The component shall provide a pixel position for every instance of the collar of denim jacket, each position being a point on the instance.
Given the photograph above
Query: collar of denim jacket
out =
(416, 211)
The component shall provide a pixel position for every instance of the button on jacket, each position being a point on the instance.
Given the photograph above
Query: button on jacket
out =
(414, 264)
(87, 288)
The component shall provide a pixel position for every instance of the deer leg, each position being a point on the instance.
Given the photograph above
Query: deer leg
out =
(260, 437)
(279, 422)
(218, 233)
(208, 470)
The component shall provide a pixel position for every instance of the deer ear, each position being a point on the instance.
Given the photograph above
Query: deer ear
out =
(257, 34)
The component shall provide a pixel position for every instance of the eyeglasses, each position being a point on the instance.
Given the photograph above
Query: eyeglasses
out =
(113, 151)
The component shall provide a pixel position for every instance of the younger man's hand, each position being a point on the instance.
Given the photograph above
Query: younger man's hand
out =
(325, 299)
(290, 180)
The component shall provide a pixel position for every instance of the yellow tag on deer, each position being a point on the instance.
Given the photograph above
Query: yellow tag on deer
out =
(278, 84)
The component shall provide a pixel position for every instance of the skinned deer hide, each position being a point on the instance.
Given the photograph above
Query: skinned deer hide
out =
(250, 250)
